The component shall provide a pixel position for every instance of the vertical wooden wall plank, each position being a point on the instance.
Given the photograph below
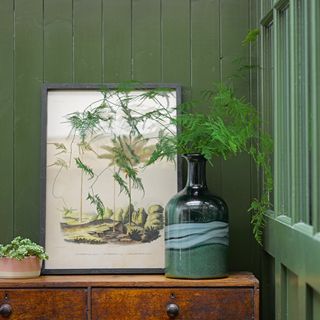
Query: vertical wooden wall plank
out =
(176, 49)
(146, 39)
(235, 191)
(205, 45)
(87, 41)
(28, 75)
(117, 40)
(58, 49)
(205, 64)
(176, 43)
(6, 120)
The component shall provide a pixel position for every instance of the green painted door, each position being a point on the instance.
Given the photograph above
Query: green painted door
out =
(290, 107)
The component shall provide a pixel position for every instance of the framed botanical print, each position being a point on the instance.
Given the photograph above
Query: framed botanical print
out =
(103, 202)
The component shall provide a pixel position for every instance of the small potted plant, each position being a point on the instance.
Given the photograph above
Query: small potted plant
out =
(21, 258)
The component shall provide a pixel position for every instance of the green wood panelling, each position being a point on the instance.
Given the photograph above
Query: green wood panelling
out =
(87, 27)
(6, 120)
(28, 78)
(205, 44)
(108, 40)
(176, 42)
(291, 234)
(146, 40)
(277, 123)
(233, 55)
(117, 40)
(281, 291)
(292, 296)
(315, 112)
(299, 250)
(315, 305)
(58, 44)
(294, 131)
(267, 286)
(205, 62)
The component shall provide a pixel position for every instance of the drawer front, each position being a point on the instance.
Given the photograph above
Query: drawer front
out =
(152, 304)
(44, 304)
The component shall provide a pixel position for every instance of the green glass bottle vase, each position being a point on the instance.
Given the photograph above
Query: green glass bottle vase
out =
(197, 229)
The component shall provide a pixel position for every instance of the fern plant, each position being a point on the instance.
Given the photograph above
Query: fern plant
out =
(230, 126)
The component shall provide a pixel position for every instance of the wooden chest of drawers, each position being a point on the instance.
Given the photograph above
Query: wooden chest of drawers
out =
(134, 297)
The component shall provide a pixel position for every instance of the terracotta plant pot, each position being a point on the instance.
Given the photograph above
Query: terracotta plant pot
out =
(29, 267)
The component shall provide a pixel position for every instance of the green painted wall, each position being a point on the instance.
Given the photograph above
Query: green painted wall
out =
(193, 43)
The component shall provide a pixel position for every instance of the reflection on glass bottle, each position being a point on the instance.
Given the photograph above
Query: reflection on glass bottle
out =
(197, 229)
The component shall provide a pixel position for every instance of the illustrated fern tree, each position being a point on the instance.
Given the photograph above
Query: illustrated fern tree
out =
(128, 151)
(126, 154)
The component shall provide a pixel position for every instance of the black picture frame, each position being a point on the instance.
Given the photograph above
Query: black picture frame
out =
(66, 87)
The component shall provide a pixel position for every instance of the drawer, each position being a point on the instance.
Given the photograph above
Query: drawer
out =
(45, 304)
(193, 303)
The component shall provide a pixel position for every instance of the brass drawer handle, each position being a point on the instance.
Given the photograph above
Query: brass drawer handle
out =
(172, 310)
(5, 310)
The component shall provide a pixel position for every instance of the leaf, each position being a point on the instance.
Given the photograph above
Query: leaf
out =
(96, 200)
(60, 163)
(251, 36)
(122, 183)
(84, 168)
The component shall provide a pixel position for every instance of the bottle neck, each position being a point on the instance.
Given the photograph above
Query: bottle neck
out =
(196, 171)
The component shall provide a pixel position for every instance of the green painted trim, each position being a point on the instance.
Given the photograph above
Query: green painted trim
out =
(315, 119)
(277, 116)
(297, 250)
(280, 4)
(294, 131)
(268, 17)
(280, 291)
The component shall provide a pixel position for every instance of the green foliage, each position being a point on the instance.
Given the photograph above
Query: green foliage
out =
(150, 234)
(229, 126)
(96, 200)
(87, 122)
(84, 168)
(135, 234)
(251, 36)
(19, 248)
(59, 163)
(67, 211)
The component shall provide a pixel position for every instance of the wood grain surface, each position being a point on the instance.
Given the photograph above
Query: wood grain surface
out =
(45, 304)
(194, 304)
(234, 280)
(122, 297)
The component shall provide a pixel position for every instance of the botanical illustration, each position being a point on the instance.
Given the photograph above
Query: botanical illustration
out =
(100, 187)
